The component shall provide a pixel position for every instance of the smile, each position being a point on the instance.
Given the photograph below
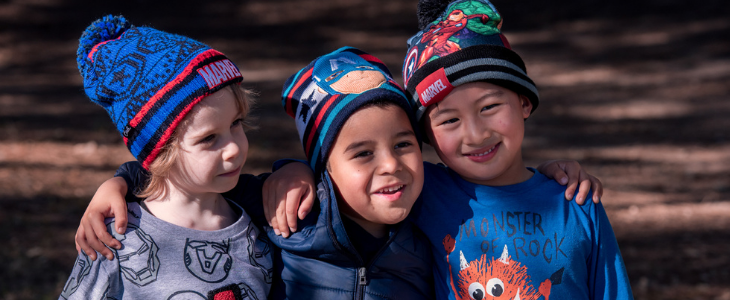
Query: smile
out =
(483, 155)
(390, 190)
(235, 172)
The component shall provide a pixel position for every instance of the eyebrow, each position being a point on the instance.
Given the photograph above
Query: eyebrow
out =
(361, 143)
(440, 111)
(358, 144)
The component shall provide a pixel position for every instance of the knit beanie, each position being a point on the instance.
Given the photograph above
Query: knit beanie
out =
(323, 95)
(460, 42)
(148, 80)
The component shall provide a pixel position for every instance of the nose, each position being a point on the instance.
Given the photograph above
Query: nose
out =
(389, 163)
(231, 150)
(474, 131)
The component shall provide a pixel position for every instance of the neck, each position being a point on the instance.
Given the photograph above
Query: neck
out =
(200, 211)
(374, 229)
(516, 173)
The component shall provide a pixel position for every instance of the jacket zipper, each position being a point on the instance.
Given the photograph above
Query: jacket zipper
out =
(362, 279)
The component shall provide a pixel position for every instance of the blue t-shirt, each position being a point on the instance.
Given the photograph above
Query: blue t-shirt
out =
(521, 241)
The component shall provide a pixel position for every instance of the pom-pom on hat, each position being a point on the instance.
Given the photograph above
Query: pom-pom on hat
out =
(460, 42)
(148, 80)
(323, 95)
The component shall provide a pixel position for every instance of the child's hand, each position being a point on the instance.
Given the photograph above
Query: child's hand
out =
(108, 201)
(287, 193)
(557, 170)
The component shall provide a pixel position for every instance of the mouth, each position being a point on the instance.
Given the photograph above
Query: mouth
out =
(483, 154)
(391, 193)
(235, 172)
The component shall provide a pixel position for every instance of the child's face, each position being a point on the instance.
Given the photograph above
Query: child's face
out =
(214, 146)
(376, 166)
(477, 131)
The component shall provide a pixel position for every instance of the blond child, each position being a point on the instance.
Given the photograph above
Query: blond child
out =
(180, 109)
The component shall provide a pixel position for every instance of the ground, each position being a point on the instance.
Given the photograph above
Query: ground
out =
(637, 91)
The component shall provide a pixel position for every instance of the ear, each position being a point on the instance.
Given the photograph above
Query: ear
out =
(526, 106)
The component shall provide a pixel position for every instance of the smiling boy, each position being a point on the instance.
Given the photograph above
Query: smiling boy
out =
(498, 230)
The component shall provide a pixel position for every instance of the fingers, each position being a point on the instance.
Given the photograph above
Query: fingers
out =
(559, 175)
(92, 242)
(281, 217)
(98, 237)
(597, 187)
(554, 169)
(306, 205)
(291, 206)
(82, 245)
(584, 188)
(119, 212)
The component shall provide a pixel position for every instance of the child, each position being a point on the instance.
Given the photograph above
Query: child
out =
(179, 106)
(498, 229)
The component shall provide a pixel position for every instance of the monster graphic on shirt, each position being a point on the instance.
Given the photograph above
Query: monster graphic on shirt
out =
(501, 278)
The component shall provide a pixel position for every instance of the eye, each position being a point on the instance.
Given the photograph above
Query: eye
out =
(488, 107)
(476, 291)
(495, 287)
(363, 154)
(237, 122)
(207, 139)
(403, 145)
(450, 121)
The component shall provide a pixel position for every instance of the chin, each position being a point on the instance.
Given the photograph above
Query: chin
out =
(396, 217)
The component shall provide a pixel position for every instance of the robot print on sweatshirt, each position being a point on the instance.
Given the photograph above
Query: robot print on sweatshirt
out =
(82, 268)
(259, 252)
(208, 261)
(138, 258)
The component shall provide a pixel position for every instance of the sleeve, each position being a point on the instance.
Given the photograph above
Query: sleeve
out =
(608, 277)
(247, 193)
(283, 162)
(92, 280)
(135, 176)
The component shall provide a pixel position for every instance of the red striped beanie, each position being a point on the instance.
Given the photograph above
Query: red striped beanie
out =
(323, 95)
(460, 42)
(148, 80)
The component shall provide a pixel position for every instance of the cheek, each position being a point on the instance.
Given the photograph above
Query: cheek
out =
(244, 145)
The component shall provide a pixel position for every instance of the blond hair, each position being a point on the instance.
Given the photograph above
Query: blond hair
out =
(160, 168)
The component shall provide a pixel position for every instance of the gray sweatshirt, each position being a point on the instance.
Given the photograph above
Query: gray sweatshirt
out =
(159, 260)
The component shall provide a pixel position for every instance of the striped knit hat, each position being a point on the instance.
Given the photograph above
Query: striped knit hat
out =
(148, 80)
(460, 42)
(323, 95)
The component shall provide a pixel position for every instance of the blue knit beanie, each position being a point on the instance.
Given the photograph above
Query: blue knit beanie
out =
(323, 95)
(148, 80)
(460, 42)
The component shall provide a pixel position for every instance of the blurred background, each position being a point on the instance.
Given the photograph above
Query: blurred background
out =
(637, 91)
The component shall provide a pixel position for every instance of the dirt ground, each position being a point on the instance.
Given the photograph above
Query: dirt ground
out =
(637, 91)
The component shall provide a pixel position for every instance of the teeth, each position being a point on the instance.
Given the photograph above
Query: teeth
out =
(391, 189)
(485, 153)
